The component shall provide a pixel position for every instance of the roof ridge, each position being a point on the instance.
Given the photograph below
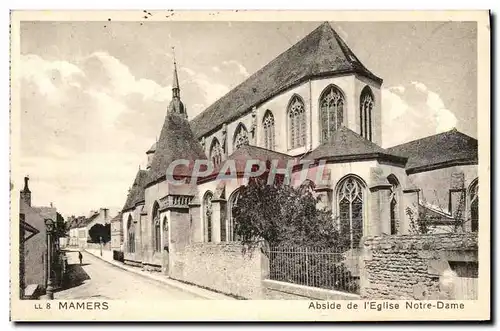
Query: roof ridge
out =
(431, 136)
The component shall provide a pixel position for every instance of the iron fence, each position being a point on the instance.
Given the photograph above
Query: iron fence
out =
(334, 268)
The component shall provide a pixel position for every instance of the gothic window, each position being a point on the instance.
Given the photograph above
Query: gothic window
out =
(350, 206)
(130, 235)
(296, 122)
(474, 206)
(156, 228)
(393, 204)
(331, 111)
(233, 201)
(366, 104)
(240, 137)
(207, 215)
(223, 224)
(215, 152)
(268, 124)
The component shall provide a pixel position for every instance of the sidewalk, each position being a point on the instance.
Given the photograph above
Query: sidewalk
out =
(206, 294)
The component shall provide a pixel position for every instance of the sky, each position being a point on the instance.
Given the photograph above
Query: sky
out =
(94, 94)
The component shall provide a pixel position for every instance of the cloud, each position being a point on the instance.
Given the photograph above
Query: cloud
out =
(241, 69)
(85, 127)
(403, 120)
(399, 88)
(210, 89)
(216, 69)
(445, 118)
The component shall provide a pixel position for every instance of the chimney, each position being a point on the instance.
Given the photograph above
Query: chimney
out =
(104, 214)
(26, 193)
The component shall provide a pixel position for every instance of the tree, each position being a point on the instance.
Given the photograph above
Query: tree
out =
(100, 232)
(280, 214)
(60, 228)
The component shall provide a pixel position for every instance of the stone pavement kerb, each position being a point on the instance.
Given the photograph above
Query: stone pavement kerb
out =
(107, 256)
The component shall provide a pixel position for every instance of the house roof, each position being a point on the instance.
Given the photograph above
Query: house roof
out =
(441, 150)
(117, 218)
(176, 142)
(321, 53)
(345, 144)
(136, 193)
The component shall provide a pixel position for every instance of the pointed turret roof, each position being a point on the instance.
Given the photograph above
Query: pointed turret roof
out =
(175, 82)
(177, 142)
(321, 53)
(136, 193)
(345, 144)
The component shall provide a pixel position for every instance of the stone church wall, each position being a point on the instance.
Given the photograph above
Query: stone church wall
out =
(221, 267)
(417, 266)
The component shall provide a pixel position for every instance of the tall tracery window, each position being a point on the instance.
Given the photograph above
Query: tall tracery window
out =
(240, 137)
(332, 111)
(156, 228)
(268, 124)
(215, 152)
(232, 203)
(130, 235)
(366, 104)
(474, 206)
(296, 122)
(394, 206)
(350, 204)
(207, 215)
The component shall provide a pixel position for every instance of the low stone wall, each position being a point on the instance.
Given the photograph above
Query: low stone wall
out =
(221, 267)
(414, 266)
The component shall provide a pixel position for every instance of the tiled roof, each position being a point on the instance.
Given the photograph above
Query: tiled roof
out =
(176, 142)
(345, 144)
(320, 53)
(136, 193)
(440, 150)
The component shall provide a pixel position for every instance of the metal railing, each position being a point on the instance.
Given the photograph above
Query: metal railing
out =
(334, 268)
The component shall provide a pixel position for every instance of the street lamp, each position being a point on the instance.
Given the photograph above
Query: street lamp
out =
(100, 244)
(49, 226)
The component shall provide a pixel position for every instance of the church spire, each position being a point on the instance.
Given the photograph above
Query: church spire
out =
(176, 106)
(175, 83)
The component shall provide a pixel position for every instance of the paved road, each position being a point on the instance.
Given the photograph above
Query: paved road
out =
(97, 279)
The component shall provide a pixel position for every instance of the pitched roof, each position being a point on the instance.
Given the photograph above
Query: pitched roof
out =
(249, 152)
(117, 218)
(176, 142)
(322, 52)
(345, 144)
(441, 150)
(136, 193)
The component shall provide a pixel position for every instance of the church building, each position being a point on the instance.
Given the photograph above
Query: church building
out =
(314, 102)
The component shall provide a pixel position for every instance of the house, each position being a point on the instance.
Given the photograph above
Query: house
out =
(33, 243)
(315, 102)
(116, 232)
(83, 227)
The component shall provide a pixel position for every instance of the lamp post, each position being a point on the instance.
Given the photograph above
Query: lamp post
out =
(49, 225)
(100, 244)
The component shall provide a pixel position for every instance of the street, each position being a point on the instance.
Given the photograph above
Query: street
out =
(97, 279)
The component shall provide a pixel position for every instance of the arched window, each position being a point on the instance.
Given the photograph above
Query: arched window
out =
(268, 124)
(350, 205)
(331, 111)
(232, 203)
(156, 228)
(394, 203)
(296, 122)
(215, 152)
(366, 104)
(165, 232)
(207, 215)
(130, 235)
(474, 206)
(240, 137)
